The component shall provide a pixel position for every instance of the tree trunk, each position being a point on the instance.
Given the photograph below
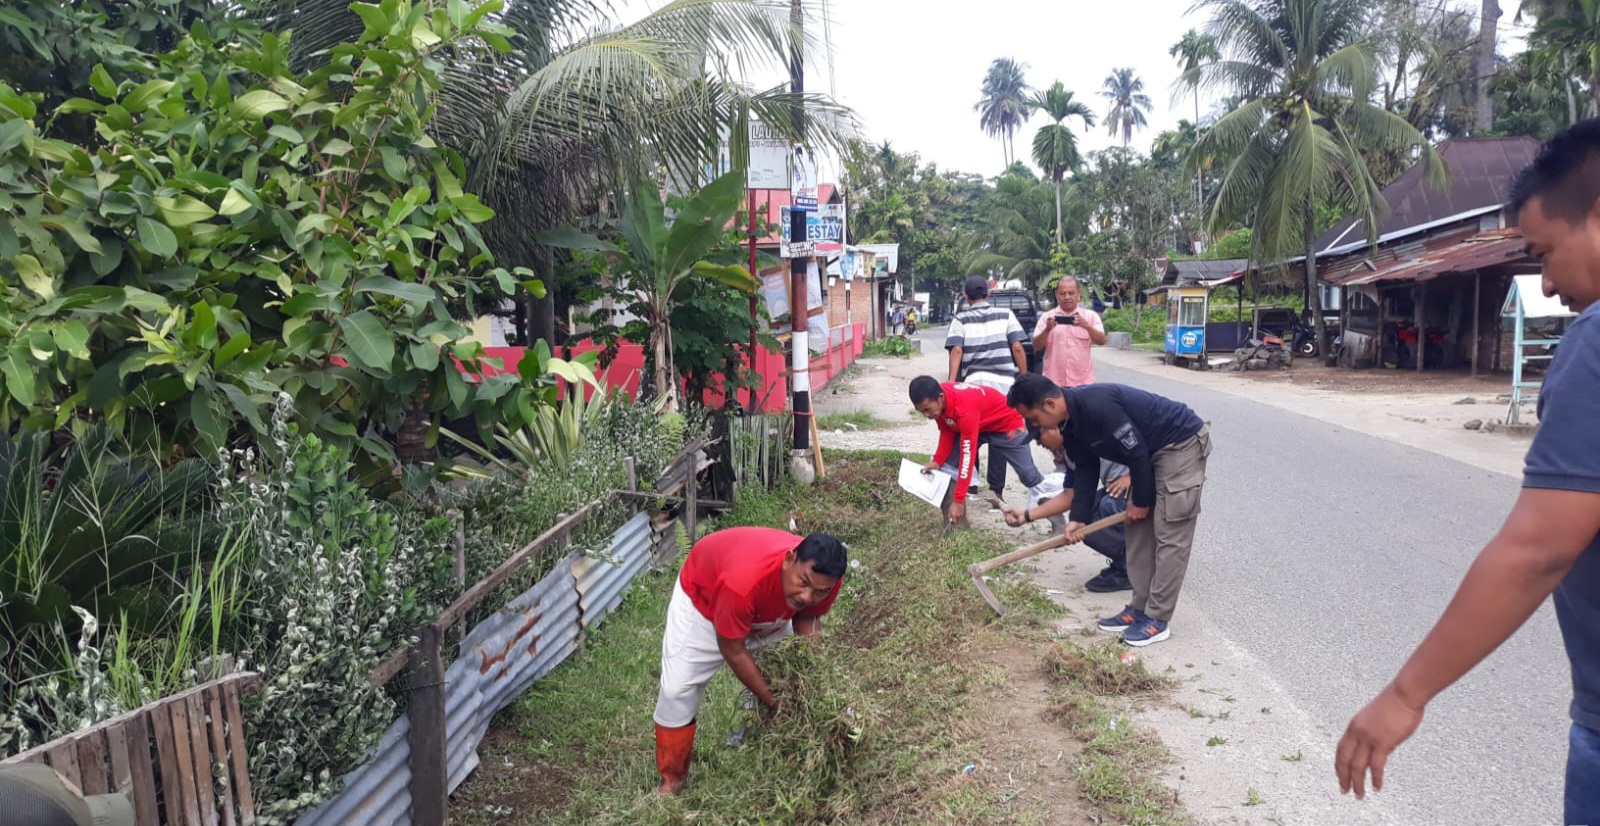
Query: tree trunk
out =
(1200, 169)
(1060, 238)
(1488, 19)
(1572, 100)
(666, 386)
(541, 312)
(1313, 289)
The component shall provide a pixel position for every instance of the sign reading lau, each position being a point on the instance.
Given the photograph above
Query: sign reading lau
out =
(824, 227)
(769, 158)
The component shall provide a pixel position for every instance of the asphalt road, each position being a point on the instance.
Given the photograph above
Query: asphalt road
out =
(1323, 557)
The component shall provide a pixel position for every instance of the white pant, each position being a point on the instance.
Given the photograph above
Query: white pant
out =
(690, 657)
(1050, 488)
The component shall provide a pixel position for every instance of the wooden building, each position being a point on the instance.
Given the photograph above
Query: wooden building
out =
(1428, 293)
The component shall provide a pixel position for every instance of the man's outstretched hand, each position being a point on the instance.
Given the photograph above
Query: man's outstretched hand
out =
(1373, 733)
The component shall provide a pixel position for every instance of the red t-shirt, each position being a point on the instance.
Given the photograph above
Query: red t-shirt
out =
(970, 409)
(732, 577)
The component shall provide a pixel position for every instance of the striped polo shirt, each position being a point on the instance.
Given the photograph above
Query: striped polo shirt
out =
(984, 333)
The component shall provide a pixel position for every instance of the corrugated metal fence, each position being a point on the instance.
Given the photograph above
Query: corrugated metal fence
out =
(427, 753)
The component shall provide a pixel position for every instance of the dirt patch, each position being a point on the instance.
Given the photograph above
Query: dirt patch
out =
(509, 784)
(1022, 756)
(1308, 373)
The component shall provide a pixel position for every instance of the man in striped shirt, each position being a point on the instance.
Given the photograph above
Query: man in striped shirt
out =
(984, 338)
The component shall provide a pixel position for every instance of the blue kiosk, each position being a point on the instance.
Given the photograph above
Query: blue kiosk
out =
(1187, 310)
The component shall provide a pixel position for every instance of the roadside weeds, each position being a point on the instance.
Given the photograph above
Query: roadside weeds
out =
(905, 710)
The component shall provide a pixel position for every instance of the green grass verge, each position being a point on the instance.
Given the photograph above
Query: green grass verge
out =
(854, 420)
(1094, 690)
(879, 711)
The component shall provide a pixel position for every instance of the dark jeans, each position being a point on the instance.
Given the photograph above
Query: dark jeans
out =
(1110, 543)
(1583, 777)
(1004, 449)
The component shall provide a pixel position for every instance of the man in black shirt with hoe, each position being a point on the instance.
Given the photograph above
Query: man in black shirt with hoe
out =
(1165, 445)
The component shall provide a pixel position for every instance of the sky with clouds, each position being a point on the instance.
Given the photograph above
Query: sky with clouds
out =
(911, 69)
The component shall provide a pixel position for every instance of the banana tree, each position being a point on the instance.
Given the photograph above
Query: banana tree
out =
(660, 257)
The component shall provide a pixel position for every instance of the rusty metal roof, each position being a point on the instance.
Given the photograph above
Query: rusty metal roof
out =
(1481, 172)
(1201, 269)
(1468, 254)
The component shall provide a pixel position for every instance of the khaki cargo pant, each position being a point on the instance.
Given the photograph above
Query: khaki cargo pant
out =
(1158, 546)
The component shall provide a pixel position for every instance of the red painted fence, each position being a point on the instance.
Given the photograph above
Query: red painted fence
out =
(770, 394)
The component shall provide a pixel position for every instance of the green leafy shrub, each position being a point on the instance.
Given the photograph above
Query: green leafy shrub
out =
(890, 347)
(232, 229)
(1152, 323)
(334, 587)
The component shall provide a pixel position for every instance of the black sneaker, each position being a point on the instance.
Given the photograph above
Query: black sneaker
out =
(1110, 580)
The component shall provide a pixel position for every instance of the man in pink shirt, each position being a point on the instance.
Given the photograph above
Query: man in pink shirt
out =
(1065, 335)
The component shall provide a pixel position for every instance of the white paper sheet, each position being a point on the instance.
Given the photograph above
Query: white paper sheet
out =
(929, 487)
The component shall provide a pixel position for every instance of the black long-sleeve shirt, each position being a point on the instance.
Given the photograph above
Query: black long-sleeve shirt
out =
(1125, 425)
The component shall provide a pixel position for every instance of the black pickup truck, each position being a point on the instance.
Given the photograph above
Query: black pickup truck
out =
(1022, 305)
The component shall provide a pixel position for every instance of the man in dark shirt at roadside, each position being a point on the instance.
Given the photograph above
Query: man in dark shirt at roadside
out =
(1165, 445)
(1550, 542)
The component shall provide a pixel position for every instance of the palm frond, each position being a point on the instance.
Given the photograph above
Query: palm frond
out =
(1245, 33)
(1349, 72)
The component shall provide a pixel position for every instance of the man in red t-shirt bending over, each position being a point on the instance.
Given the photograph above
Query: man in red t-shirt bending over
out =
(970, 415)
(741, 589)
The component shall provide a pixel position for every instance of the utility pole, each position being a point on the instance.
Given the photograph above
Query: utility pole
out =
(800, 458)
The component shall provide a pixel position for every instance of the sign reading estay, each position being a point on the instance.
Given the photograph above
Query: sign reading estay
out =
(825, 227)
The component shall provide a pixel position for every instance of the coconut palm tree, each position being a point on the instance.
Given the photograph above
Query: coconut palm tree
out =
(1194, 50)
(1003, 105)
(578, 106)
(1055, 148)
(1129, 103)
(1568, 36)
(1305, 71)
(1017, 244)
(1191, 52)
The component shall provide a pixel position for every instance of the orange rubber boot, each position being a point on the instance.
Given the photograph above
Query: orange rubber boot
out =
(673, 749)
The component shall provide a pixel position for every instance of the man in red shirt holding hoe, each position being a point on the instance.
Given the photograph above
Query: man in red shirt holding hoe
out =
(741, 590)
(969, 415)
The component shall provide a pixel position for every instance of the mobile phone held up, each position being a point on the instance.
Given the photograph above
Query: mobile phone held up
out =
(1066, 319)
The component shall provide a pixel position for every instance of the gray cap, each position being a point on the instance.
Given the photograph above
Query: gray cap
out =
(977, 287)
(35, 795)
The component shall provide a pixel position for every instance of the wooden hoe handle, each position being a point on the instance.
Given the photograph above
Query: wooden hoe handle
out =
(1058, 541)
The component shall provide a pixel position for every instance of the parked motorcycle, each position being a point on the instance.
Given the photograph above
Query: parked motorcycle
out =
(1304, 339)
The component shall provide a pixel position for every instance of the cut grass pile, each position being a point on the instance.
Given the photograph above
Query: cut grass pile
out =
(879, 712)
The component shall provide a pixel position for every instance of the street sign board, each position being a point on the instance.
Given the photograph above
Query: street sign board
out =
(803, 178)
(769, 158)
(824, 227)
(804, 249)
